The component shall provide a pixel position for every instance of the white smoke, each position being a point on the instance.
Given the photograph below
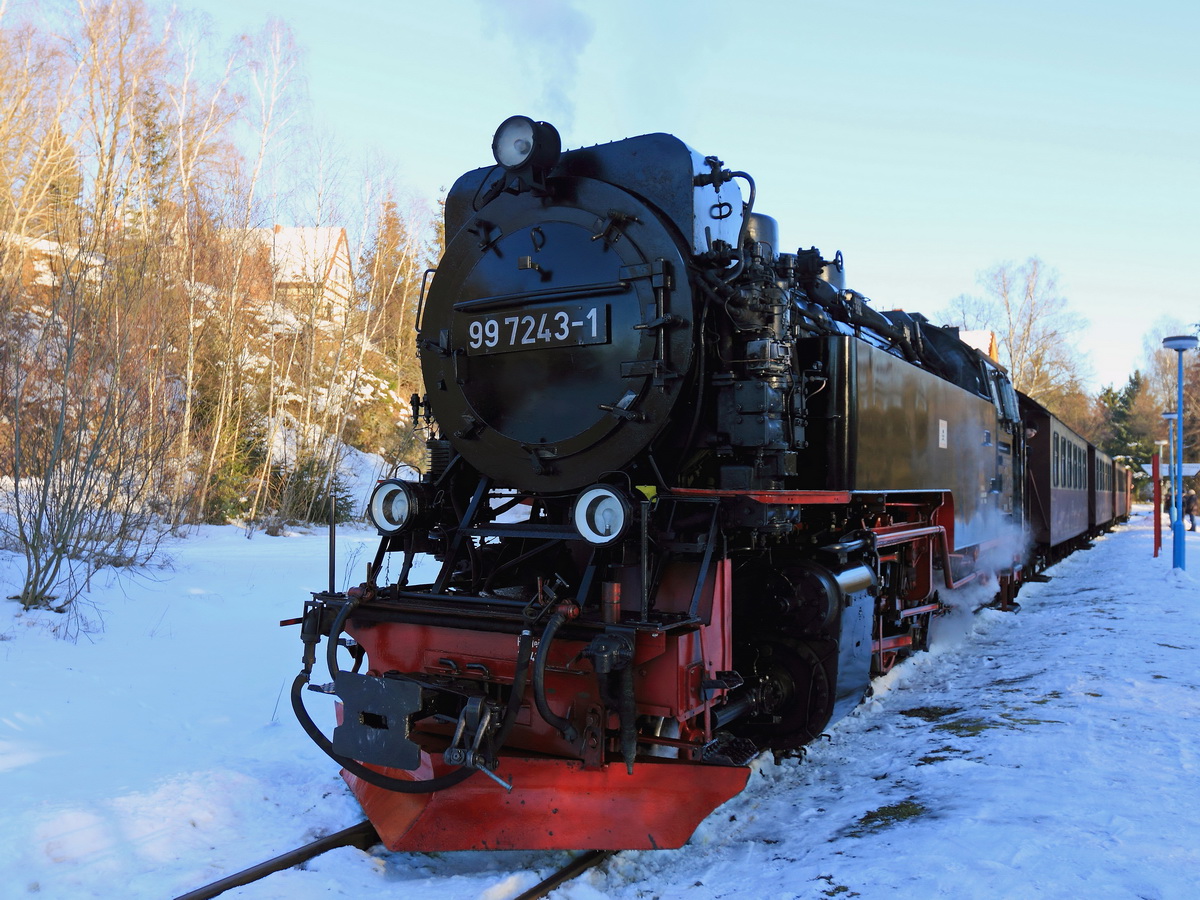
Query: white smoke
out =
(1009, 543)
(549, 37)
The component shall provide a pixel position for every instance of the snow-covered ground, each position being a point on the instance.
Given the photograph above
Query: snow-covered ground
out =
(1050, 753)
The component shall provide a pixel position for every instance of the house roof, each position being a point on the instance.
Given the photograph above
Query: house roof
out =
(1189, 470)
(306, 255)
(303, 254)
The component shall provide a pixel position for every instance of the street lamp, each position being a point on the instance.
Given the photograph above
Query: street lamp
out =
(1170, 418)
(1179, 343)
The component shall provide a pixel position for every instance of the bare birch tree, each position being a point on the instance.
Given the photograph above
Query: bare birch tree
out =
(146, 347)
(1034, 324)
(86, 438)
(202, 111)
(272, 76)
(1161, 374)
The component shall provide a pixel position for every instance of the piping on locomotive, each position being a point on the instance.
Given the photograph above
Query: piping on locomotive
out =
(688, 494)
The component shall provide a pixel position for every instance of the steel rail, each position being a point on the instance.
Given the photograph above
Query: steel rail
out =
(361, 835)
(573, 869)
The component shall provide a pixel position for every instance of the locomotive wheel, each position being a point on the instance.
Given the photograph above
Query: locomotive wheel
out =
(802, 692)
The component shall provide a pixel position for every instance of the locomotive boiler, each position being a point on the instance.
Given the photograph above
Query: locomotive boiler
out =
(686, 492)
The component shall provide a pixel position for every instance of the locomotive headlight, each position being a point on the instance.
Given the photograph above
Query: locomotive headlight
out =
(394, 506)
(522, 143)
(601, 515)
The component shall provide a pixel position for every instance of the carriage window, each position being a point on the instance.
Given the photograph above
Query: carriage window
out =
(1054, 467)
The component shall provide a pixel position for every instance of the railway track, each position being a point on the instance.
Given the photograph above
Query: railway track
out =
(363, 836)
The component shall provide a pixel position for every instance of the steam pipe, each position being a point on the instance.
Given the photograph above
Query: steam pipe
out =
(539, 678)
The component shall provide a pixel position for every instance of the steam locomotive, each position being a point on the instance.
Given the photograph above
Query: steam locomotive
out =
(687, 494)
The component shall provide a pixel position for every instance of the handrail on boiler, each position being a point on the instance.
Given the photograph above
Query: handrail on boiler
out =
(886, 538)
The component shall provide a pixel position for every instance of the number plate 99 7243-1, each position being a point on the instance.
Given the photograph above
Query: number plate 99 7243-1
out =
(546, 326)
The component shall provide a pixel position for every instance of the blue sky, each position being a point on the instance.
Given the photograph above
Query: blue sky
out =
(926, 140)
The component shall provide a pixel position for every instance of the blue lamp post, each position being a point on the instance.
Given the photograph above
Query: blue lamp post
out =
(1169, 418)
(1179, 343)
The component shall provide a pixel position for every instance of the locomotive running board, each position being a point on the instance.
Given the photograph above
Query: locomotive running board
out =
(657, 807)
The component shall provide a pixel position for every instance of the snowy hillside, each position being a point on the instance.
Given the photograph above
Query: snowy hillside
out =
(1051, 753)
